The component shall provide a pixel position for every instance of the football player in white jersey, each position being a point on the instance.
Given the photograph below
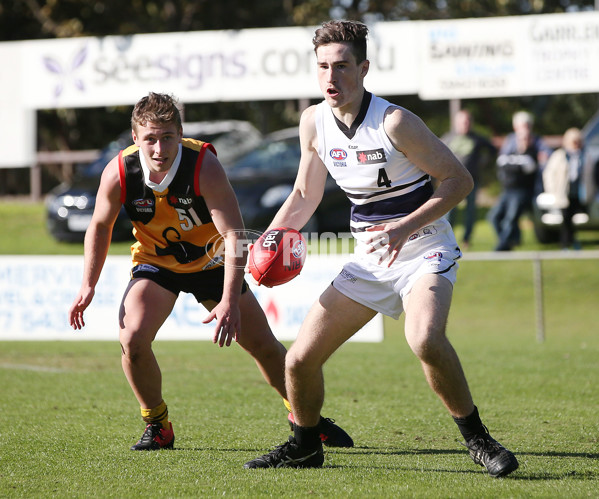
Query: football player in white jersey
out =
(384, 158)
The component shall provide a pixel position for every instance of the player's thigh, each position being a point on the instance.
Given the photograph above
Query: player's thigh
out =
(331, 321)
(427, 307)
(144, 308)
(254, 325)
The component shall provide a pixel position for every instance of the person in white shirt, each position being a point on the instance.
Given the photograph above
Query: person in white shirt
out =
(563, 176)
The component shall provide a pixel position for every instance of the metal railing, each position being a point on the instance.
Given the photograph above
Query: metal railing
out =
(65, 158)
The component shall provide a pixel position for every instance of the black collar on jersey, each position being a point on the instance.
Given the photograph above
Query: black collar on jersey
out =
(349, 132)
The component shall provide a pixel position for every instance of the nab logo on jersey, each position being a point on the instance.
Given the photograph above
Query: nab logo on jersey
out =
(177, 201)
(371, 157)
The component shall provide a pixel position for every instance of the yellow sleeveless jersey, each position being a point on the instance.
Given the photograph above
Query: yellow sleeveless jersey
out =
(173, 228)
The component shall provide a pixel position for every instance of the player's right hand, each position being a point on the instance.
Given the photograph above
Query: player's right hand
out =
(80, 303)
(389, 238)
(246, 269)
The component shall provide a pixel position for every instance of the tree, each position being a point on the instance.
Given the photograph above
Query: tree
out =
(34, 19)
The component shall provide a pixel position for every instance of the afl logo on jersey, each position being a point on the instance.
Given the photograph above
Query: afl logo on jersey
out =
(143, 203)
(338, 154)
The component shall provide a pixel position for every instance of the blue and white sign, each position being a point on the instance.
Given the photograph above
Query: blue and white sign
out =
(506, 56)
(36, 293)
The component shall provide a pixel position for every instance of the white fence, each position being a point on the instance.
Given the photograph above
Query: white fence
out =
(536, 258)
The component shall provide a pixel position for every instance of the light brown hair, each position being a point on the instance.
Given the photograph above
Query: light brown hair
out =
(156, 108)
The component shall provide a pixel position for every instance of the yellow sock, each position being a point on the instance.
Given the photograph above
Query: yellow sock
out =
(158, 414)
(287, 404)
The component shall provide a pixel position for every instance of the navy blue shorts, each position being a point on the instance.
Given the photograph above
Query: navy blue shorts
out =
(205, 285)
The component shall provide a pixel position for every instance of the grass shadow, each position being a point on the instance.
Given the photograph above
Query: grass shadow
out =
(522, 474)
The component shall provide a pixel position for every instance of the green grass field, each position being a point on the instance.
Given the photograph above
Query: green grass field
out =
(69, 417)
(24, 232)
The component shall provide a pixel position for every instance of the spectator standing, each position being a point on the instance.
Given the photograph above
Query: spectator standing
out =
(520, 159)
(475, 152)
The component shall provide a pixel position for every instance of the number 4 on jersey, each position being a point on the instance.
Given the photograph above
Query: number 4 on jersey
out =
(383, 179)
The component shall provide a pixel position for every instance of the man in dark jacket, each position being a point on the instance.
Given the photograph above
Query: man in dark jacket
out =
(520, 158)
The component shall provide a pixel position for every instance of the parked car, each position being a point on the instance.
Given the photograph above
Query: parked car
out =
(69, 206)
(264, 177)
(547, 219)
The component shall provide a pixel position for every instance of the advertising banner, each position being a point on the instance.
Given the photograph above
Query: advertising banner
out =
(563, 54)
(37, 291)
(252, 64)
(510, 56)
(471, 58)
(437, 60)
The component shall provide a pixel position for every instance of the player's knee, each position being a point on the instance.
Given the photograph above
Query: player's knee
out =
(265, 350)
(428, 346)
(133, 346)
(298, 364)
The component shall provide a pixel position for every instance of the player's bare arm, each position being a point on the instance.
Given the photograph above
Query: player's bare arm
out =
(410, 135)
(222, 203)
(97, 240)
(310, 180)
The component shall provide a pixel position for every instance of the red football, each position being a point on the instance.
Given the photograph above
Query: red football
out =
(277, 256)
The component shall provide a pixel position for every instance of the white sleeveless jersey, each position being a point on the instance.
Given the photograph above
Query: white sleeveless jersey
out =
(380, 182)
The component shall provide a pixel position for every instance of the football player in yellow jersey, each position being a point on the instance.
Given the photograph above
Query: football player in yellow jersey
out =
(180, 201)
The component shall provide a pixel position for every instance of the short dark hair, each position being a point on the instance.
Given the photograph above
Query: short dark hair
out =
(156, 108)
(352, 32)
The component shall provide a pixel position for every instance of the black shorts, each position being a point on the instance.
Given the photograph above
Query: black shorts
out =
(205, 285)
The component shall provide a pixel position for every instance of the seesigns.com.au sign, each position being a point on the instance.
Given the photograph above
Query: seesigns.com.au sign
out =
(276, 63)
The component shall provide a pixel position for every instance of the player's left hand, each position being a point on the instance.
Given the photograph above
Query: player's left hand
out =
(228, 323)
(389, 238)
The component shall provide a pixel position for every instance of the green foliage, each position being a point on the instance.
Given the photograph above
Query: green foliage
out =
(70, 417)
(70, 18)
(32, 19)
(24, 233)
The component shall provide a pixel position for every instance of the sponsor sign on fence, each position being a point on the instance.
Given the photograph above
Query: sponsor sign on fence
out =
(37, 291)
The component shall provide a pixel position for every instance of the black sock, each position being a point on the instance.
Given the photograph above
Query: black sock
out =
(470, 426)
(307, 437)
